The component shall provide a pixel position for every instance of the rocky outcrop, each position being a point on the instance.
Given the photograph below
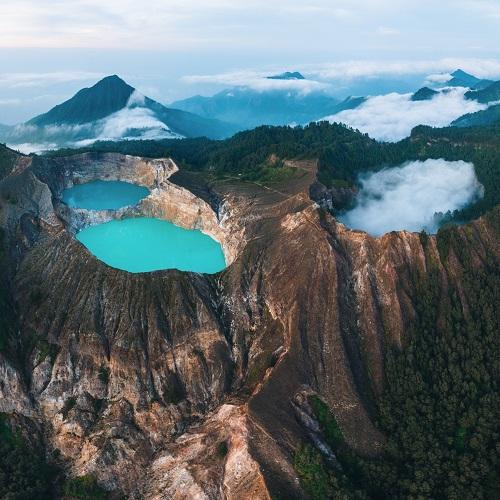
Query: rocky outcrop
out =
(182, 385)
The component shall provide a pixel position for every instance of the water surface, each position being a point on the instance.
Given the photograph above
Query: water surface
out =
(104, 195)
(146, 244)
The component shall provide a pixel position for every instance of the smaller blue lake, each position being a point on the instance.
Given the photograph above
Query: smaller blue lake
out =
(146, 244)
(104, 195)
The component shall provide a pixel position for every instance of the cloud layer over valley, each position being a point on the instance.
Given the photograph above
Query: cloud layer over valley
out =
(391, 117)
(409, 197)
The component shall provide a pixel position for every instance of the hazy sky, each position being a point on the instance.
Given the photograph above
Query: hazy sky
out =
(175, 48)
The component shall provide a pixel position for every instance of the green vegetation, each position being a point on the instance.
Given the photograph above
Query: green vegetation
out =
(319, 481)
(24, 473)
(441, 407)
(7, 160)
(489, 94)
(440, 410)
(343, 155)
(485, 117)
(85, 488)
(332, 431)
(222, 449)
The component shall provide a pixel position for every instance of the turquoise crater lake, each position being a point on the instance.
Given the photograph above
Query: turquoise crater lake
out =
(146, 244)
(104, 195)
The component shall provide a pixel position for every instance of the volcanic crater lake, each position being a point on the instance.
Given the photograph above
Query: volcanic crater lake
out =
(146, 244)
(104, 195)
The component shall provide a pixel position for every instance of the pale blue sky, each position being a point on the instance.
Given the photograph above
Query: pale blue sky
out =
(175, 48)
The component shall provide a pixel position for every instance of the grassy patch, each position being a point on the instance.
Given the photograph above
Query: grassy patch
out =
(329, 425)
(85, 488)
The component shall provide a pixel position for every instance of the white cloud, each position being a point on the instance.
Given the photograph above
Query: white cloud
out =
(19, 80)
(30, 147)
(488, 8)
(120, 124)
(134, 121)
(385, 31)
(136, 99)
(438, 78)
(408, 197)
(257, 80)
(481, 67)
(391, 117)
(10, 102)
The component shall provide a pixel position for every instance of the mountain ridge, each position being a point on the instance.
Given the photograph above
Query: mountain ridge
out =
(112, 109)
(106, 97)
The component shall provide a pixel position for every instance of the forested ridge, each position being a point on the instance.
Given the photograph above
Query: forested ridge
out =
(343, 154)
(440, 409)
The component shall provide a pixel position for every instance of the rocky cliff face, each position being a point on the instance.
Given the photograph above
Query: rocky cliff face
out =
(181, 385)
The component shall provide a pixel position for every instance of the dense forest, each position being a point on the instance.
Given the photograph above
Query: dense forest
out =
(343, 154)
(440, 409)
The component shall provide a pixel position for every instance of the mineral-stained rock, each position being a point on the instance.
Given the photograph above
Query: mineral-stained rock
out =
(182, 385)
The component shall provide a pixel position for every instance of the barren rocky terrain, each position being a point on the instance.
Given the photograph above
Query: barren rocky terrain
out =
(181, 385)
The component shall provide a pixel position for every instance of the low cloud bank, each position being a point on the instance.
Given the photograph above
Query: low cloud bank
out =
(391, 117)
(134, 121)
(258, 81)
(414, 196)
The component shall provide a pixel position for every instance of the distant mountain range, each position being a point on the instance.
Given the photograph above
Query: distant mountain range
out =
(112, 109)
(248, 107)
(460, 78)
(287, 75)
(486, 95)
(489, 116)
(424, 94)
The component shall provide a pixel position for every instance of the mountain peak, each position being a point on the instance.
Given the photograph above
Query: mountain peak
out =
(423, 94)
(287, 75)
(111, 82)
(460, 78)
(107, 96)
(460, 73)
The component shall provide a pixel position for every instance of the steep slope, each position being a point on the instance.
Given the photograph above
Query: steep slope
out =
(106, 97)
(173, 384)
